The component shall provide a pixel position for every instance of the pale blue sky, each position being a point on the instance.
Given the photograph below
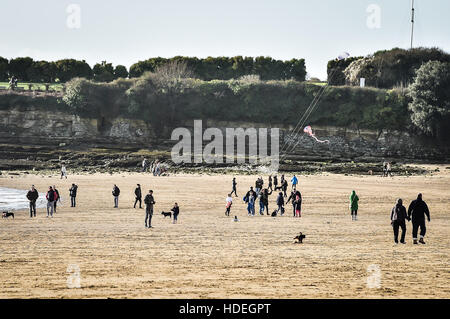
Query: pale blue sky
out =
(124, 32)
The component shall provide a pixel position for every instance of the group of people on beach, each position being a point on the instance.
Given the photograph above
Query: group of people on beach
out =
(52, 196)
(155, 167)
(262, 194)
(417, 210)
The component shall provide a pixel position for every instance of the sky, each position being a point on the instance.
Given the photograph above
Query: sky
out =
(124, 32)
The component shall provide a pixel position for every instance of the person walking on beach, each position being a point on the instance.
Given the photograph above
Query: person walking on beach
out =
(58, 198)
(73, 195)
(234, 187)
(280, 203)
(270, 183)
(138, 194)
(294, 182)
(264, 201)
(250, 200)
(63, 171)
(51, 197)
(176, 211)
(275, 182)
(229, 202)
(398, 216)
(144, 165)
(418, 209)
(292, 197)
(388, 169)
(298, 204)
(284, 187)
(116, 193)
(149, 202)
(32, 196)
(354, 205)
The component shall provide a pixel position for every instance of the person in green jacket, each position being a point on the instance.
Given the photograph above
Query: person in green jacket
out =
(354, 204)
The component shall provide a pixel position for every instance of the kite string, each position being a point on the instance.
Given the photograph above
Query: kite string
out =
(298, 126)
(306, 114)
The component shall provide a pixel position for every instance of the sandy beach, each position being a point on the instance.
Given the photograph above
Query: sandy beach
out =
(207, 255)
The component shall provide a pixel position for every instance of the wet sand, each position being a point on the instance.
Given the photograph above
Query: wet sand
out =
(206, 255)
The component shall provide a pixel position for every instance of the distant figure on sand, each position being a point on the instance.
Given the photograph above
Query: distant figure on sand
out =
(176, 211)
(138, 195)
(229, 202)
(250, 200)
(234, 187)
(398, 216)
(116, 193)
(58, 198)
(73, 195)
(275, 182)
(294, 182)
(144, 165)
(32, 196)
(270, 183)
(51, 198)
(298, 204)
(149, 202)
(354, 205)
(280, 203)
(63, 171)
(293, 197)
(418, 209)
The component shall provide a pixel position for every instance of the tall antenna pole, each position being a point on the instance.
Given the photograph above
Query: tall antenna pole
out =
(412, 22)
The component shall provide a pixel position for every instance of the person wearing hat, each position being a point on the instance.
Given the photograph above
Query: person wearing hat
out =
(138, 194)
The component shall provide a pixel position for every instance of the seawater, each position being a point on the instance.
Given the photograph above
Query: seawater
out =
(16, 199)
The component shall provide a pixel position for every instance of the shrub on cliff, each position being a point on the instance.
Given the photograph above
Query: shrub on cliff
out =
(430, 94)
(390, 68)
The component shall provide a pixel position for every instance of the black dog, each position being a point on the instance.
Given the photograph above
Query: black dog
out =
(274, 213)
(299, 238)
(167, 214)
(7, 214)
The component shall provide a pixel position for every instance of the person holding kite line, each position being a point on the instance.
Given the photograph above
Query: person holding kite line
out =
(354, 204)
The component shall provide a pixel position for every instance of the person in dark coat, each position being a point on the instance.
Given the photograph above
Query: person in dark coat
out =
(138, 194)
(51, 197)
(149, 202)
(418, 209)
(292, 197)
(264, 200)
(32, 196)
(275, 182)
(280, 203)
(234, 187)
(398, 216)
(58, 198)
(116, 193)
(176, 211)
(270, 183)
(73, 195)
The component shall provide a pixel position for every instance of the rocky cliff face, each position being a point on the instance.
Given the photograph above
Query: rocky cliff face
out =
(35, 127)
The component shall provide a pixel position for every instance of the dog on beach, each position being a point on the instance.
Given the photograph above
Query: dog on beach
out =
(6, 214)
(274, 213)
(299, 238)
(167, 214)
